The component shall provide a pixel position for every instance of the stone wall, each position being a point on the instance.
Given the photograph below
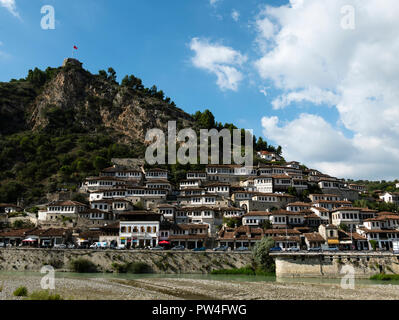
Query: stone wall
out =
(331, 265)
(161, 262)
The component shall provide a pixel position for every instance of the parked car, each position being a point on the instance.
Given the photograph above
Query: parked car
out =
(178, 248)
(293, 249)
(45, 245)
(333, 249)
(221, 248)
(71, 246)
(100, 245)
(242, 249)
(199, 249)
(275, 249)
(317, 249)
(94, 246)
(60, 246)
(2, 245)
(120, 247)
(157, 248)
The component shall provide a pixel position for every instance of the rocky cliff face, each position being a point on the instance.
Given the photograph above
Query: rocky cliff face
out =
(94, 103)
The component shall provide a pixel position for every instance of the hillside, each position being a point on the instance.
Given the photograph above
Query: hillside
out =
(63, 124)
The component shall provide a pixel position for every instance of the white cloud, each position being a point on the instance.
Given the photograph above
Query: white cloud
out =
(11, 6)
(214, 2)
(235, 15)
(310, 57)
(220, 60)
(313, 94)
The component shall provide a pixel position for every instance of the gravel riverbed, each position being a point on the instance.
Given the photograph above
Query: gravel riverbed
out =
(193, 289)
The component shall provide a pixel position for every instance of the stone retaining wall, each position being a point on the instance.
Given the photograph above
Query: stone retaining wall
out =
(161, 262)
(331, 265)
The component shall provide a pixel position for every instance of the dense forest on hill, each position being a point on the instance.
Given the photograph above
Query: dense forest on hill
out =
(61, 125)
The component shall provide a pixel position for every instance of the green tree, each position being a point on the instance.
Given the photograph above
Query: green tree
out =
(344, 227)
(111, 74)
(232, 222)
(373, 244)
(100, 163)
(204, 120)
(261, 255)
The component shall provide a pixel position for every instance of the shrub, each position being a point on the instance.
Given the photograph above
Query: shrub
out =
(83, 266)
(249, 271)
(21, 292)
(44, 295)
(385, 277)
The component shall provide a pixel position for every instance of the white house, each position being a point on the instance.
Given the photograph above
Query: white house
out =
(390, 197)
(58, 209)
(263, 184)
(139, 228)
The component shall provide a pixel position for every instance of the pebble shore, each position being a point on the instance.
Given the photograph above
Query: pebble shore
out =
(193, 289)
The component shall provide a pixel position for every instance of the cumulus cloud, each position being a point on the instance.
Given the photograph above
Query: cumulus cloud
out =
(11, 6)
(235, 15)
(310, 57)
(214, 2)
(313, 94)
(220, 60)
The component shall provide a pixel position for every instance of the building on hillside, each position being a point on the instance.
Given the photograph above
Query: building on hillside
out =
(244, 236)
(158, 184)
(264, 201)
(110, 233)
(314, 240)
(167, 210)
(57, 210)
(196, 175)
(330, 234)
(323, 214)
(222, 189)
(94, 219)
(357, 187)
(122, 173)
(231, 212)
(156, 173)
(255, 218)
(189, 235)
(190, 184)
(390, 197)
(10, 208)
(351, 216)
(311, 219)
(204, 215)
(263, 184)
(102, 183)
(269, 156)
(139, 229)
(383, 229)
(331, 204)
(298, 206)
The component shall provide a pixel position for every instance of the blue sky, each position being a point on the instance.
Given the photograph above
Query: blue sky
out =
(149, 39)
(225, 54)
